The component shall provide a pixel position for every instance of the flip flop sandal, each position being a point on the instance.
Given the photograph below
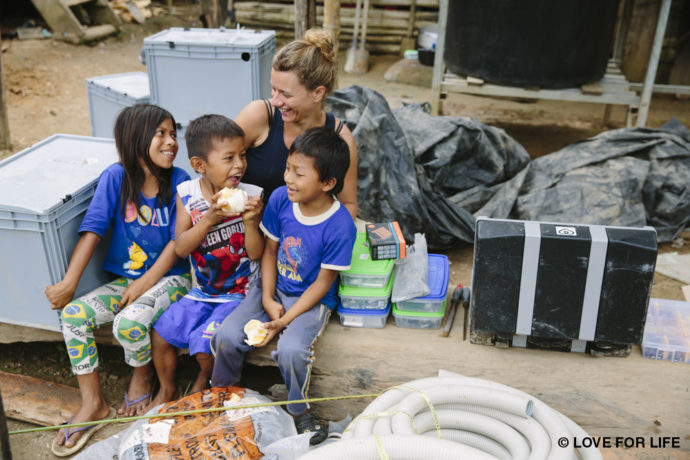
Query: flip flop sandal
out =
(89, 431)
(308, 423)
(129, 403)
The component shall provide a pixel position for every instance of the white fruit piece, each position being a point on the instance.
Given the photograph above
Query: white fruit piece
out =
(256, 332)
(233, 200)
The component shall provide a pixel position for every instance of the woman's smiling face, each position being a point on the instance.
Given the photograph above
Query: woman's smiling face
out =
(294, 100)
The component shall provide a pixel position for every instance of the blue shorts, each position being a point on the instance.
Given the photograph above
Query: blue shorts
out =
(190, 323)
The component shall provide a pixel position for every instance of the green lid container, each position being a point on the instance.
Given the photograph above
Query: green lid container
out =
(365, 298)
(418, 319)
(365, 272)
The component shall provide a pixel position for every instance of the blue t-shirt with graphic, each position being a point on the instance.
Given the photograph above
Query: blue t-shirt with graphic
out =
(138, 237)
(306, 244)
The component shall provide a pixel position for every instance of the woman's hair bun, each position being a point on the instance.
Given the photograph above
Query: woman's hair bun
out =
(323, 40)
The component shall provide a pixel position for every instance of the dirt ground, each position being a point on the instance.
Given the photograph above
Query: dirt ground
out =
(46, 94)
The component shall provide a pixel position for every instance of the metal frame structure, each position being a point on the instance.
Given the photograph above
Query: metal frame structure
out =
(613, 89)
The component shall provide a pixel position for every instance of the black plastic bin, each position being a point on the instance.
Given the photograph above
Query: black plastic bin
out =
(530, 43)
(562, 281)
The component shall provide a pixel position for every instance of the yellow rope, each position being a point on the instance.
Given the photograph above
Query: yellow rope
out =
(196, 411)
(383, 455)
(428, 403)
(382, 414)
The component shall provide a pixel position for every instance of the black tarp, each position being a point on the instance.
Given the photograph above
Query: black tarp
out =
(435, 174)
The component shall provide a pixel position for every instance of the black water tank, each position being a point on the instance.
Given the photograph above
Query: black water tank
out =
(544, 43)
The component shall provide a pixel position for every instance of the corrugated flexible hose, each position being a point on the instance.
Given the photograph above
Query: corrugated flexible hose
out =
(457, 417)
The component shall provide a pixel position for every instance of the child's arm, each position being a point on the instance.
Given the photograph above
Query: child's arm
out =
(306, 301)
(62, 293)
(269, 276)
(188, 237)
(253, 238)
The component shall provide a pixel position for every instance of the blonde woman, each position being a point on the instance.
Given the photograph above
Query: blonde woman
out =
(303, 74)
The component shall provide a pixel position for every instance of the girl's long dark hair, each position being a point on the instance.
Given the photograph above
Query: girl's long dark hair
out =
(134, 129)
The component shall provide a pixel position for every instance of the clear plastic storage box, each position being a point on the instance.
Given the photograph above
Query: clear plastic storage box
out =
(360, 298)
(193, 72)
(363, 318)
(364, 271)
(667, 331)
(109, 94)
(437, 279)
(44, 193)
(418, 320)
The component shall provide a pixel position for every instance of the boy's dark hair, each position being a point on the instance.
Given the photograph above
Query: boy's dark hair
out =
(330, 153)
(134, 129)
(202, 131)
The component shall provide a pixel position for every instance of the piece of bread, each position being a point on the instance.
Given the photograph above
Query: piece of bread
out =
(256, 332)
(233, 200)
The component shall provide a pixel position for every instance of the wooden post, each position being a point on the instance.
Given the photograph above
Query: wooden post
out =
(305, 16)
(331, 21)
(439, 66)
(214, 13)
(5, 452)
(652, 66)
(4, 124)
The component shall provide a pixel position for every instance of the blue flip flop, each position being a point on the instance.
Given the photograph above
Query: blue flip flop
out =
(89, 430)
(129, 403)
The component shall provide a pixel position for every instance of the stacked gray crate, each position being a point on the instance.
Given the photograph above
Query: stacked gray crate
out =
(44, 193)
(193, 72)
(197, 71)
(109, 94)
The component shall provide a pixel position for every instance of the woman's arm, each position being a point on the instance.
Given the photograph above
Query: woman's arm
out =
(61, 294)
(253, 119)
(348, 196)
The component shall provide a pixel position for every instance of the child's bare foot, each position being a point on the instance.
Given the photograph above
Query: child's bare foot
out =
(164, 395)
(201, 383)
(136, 399)
(97, 410)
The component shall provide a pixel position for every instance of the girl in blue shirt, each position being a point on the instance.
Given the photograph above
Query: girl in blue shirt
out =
(135, 200)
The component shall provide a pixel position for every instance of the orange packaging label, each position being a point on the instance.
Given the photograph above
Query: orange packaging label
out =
(207, 435)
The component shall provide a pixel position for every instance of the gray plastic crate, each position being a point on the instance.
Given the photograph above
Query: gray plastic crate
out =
(109, 94)
(182, 158)
(44, 193)
(193, 72)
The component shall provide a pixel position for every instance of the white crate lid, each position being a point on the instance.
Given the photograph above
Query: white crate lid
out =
(211, 37)
(38, 178)
(133, 84)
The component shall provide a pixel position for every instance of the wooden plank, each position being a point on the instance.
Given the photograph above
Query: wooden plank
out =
(4, 123)
(638, 43)
(5, 452)
(70, 3)
(61, 20)
(592, 88)
(37, 401)
(351, 3)
(600, 394)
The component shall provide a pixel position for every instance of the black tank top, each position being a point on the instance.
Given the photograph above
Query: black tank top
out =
(266, 162)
